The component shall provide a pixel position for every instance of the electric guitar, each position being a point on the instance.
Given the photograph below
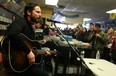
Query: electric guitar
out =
(15, 59)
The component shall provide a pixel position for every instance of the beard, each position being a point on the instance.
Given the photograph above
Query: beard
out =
(39, 20)
(35, 20)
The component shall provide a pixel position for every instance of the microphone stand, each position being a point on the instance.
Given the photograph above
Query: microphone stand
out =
(75, 50)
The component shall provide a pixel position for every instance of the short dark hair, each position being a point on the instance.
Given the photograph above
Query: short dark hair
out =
(98, 25)
(29, 7)
(91, 24)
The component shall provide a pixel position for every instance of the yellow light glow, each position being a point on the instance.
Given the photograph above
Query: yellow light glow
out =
(111, 11)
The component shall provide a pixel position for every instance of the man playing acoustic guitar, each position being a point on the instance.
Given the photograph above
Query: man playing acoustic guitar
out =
(18, 29)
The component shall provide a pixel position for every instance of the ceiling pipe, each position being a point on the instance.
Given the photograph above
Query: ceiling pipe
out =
(64, 9)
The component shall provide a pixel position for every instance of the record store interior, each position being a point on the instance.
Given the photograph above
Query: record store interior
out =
(58, 37)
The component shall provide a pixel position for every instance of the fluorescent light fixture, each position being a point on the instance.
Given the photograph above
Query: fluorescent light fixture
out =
(62, 19)
(51, 2)
(86, 19)
(111, 11)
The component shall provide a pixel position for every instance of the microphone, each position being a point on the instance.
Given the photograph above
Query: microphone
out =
(50, 20)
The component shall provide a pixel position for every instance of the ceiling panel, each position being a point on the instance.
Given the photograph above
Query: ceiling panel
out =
(95, 9)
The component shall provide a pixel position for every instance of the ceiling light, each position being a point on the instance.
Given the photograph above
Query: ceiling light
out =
(51, 2)
(111, 11)
(62, 19)
(86, 19)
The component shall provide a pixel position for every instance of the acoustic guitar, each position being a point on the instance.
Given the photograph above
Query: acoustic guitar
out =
(15, 59)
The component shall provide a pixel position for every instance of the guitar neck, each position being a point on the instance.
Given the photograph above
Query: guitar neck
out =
(34, 44)
(42, 52)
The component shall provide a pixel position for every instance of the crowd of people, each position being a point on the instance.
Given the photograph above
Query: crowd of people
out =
(102, 41)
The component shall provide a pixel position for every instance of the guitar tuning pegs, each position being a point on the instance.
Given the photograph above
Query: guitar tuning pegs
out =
(55, 52)
(54, 49)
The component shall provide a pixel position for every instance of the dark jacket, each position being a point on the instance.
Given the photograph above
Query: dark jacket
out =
(18, 26)
(113, 47)
(98, 43)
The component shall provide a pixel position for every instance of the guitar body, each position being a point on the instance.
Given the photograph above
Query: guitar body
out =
(5, 59)
(15, 59)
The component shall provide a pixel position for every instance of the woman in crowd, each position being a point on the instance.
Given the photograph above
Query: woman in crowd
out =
(113, 49)
(108, 44)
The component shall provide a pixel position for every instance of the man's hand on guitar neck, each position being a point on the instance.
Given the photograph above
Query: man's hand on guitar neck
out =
(31, 57)
(42, 41)
(47, 53)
